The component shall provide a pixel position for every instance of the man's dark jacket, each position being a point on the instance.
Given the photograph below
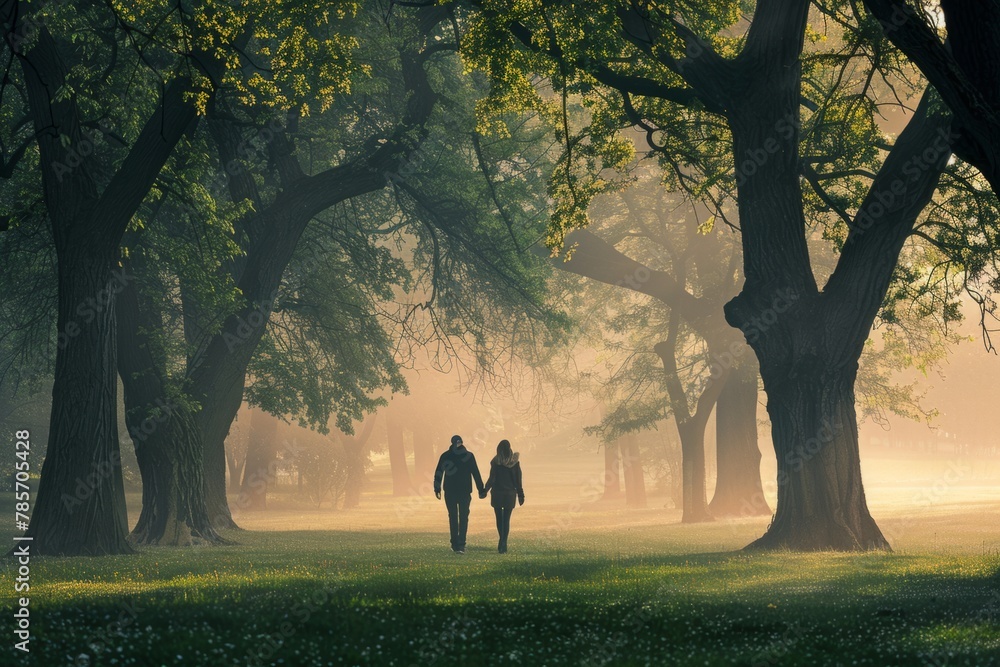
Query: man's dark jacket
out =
(458, 468)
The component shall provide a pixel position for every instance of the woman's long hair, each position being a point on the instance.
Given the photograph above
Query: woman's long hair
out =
(505, 455)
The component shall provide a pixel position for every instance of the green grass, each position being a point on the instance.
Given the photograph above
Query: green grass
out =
(615, 594)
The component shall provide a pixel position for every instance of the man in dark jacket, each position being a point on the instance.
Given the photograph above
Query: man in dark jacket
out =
(457, 467)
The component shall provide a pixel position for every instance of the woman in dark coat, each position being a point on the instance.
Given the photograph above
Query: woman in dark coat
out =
(505, 486)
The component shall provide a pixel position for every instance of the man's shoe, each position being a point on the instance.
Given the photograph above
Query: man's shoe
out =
(460, 552)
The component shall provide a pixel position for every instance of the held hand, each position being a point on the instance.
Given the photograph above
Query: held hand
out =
(438, 494)
(482, 494)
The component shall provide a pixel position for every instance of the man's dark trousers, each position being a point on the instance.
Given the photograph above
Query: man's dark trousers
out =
(458, 518)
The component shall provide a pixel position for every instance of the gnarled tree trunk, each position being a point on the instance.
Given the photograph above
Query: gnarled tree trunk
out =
(167, 447)
(821, 500)
(808, 343)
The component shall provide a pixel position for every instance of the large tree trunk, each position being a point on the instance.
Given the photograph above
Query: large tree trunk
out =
(173, 501)
(821, 501)
(808, 344)
(262, 458)
(397, 456)
(214, 426)
(635, 481)
(738, 491)
(612, 472)
(80, 507)
(163, 431)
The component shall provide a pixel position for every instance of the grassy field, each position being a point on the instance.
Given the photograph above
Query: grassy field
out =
(583, 584)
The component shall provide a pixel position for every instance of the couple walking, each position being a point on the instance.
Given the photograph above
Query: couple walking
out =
(457, 469)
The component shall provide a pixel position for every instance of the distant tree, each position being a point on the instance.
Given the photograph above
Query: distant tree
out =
(646, 243)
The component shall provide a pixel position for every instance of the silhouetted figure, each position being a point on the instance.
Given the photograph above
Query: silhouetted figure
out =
(457, 467)
(504, 484)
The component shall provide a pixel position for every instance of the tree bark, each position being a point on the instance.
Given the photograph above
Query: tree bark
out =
(821, 500)
(612, 472)
(397, 456)
(80, 507)
(694, 495)
(173, 502)
(738, 491)
(167, 447)
(261, 462)
(213, 422)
